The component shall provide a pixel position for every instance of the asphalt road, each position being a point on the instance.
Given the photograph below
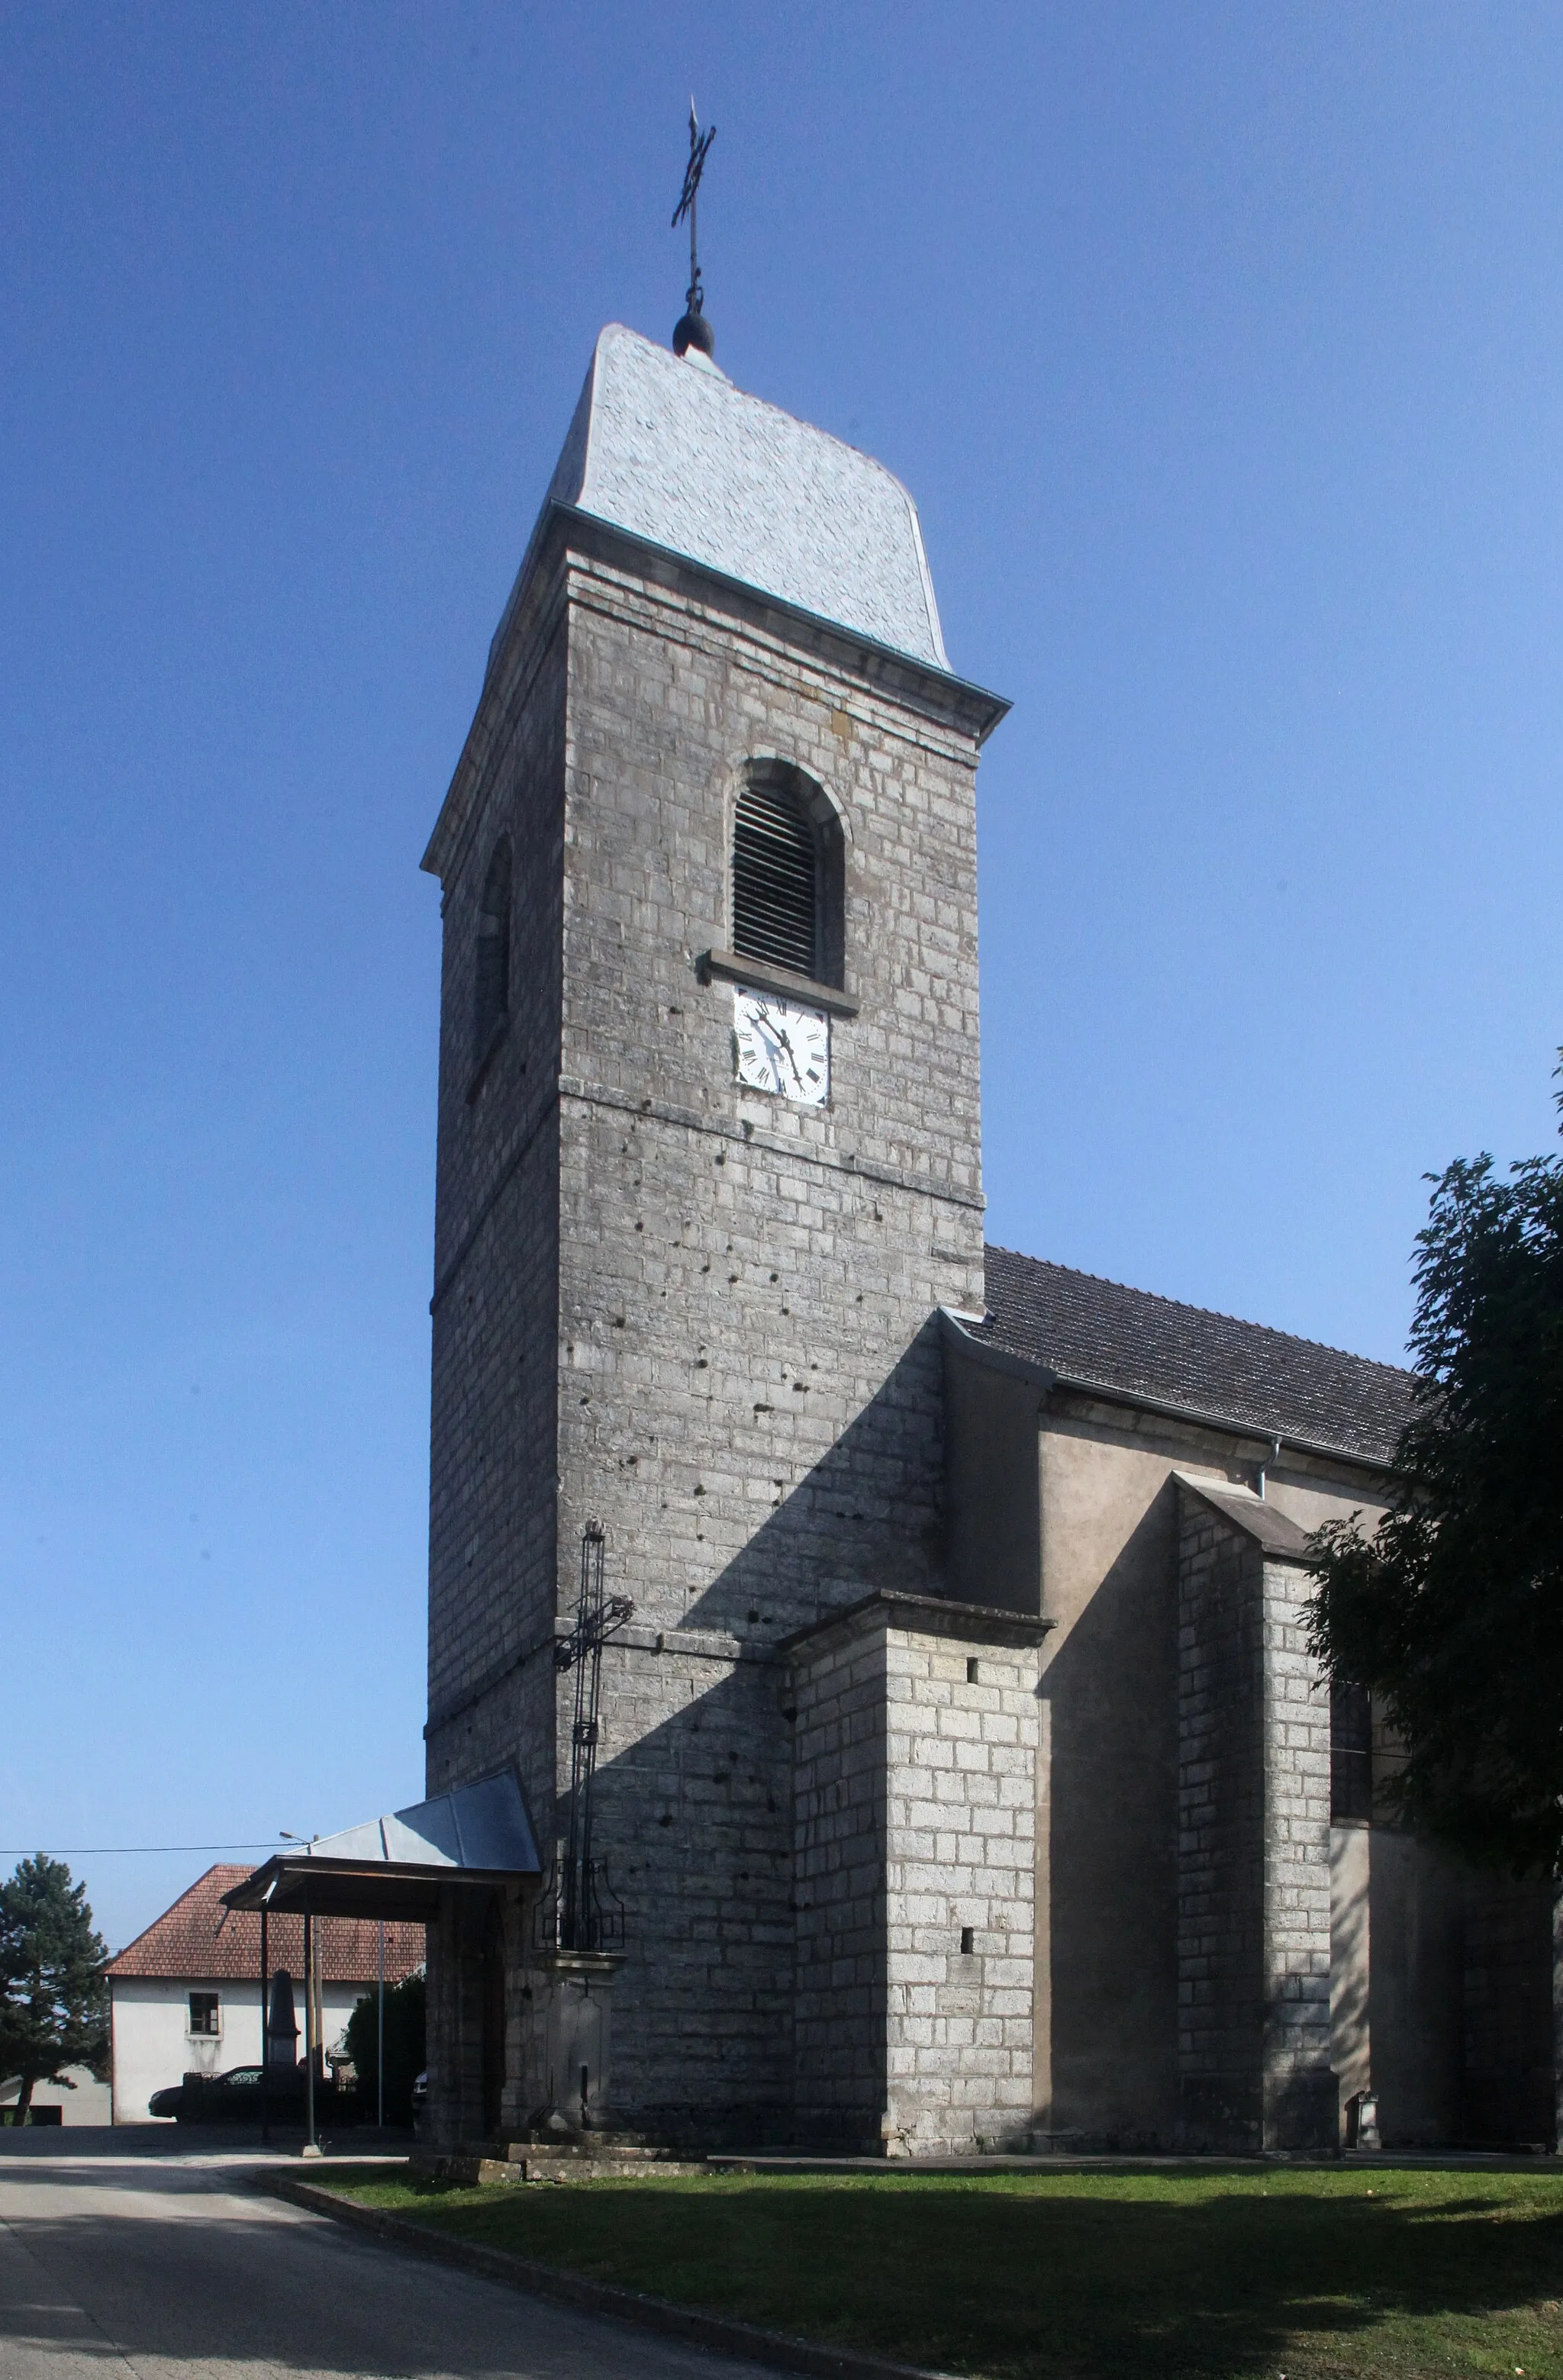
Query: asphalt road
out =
(168, 2266)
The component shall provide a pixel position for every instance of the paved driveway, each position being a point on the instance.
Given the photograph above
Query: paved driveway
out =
(168, 2265)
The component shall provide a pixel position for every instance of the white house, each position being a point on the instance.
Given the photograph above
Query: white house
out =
(186, 1995)
(84, 2100)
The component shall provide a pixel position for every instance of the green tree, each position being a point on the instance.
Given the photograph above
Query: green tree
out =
(53, 1996)
(406, 2050)
(1452, 1613)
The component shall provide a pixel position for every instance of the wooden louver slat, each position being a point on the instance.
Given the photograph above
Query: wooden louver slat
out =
(775, 893)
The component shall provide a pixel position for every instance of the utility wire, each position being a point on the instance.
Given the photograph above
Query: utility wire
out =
(132, 1850)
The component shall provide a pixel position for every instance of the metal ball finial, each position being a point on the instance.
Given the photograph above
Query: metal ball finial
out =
(692, 330)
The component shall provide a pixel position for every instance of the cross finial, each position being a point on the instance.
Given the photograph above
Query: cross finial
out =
(693, 330)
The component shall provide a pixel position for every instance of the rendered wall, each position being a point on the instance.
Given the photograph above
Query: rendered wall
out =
(154, 2048)
(90, 2102)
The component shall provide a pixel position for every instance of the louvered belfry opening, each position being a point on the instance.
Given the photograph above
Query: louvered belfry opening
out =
(775, 879)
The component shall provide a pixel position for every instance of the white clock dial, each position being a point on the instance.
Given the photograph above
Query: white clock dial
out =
(781, 1048)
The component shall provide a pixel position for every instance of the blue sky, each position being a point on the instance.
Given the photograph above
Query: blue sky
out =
(1221, 348)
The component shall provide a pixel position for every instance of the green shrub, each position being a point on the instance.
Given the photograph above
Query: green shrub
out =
(406, 2045)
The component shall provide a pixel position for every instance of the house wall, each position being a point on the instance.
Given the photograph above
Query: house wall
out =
(90, 2102)
(153, 2047)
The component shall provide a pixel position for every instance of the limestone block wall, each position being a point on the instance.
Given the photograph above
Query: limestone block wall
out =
(692, 1815)
(841, 2010)
(702, 1315)
(748, 1374)
(916, 1850)
(1253, 1919)
(1509, 2053)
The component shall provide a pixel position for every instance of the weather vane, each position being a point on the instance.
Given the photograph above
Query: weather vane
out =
(693, 330)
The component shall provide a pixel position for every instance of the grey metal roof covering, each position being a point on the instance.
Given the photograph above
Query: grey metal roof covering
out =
(1264, 1523)
(1130, 1344)
(482, 1825)
(665, 447)
(396, 1866)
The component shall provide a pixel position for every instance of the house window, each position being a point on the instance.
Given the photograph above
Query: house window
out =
(787, 876)
(204, 2017)
(1351, 1753)
(492, 992)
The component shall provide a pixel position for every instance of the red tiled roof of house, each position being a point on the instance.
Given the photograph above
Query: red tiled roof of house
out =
(200, 1939)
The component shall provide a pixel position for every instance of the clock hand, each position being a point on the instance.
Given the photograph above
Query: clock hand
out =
(768, 1035)
(780, 1032)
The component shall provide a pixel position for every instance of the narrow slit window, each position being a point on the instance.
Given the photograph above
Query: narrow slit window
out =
(492, 1003)
(1351, 1753)
(777, 880)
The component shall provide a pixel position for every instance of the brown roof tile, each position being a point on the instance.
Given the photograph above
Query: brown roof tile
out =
(199, 1938)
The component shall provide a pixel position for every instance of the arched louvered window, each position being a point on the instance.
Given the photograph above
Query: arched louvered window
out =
(492, 1002)
(777, 875)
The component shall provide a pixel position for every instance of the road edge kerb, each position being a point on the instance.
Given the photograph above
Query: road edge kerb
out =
(714, 2330)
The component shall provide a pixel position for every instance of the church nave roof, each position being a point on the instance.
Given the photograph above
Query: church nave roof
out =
(1129, 1342)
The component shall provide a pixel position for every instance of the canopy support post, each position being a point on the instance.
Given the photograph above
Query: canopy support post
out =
(265, 2036)
(312, 2146)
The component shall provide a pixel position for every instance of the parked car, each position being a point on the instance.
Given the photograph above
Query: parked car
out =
(420, 2103)
(236, 2096)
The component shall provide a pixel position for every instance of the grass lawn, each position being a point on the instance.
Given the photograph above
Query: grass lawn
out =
(1227, 2273)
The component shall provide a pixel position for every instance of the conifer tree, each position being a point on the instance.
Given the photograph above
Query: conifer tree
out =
(53, 1996)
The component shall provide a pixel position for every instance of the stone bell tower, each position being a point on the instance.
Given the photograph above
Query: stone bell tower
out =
(709, 1165)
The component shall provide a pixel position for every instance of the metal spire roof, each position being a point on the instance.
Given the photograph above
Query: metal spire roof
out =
(665, 447)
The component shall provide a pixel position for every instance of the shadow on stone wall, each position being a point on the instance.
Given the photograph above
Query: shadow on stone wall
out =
(693, 1815)
(1112, 1693)
(868, 1514)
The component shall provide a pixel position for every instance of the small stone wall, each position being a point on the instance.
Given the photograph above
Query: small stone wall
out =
(916, 1853)
(1254, 1840)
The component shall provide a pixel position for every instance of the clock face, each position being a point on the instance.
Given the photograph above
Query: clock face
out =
(781, 1048)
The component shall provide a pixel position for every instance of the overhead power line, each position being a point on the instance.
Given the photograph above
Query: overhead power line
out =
(130, 1850)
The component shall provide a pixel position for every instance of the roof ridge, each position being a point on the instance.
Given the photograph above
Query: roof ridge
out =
(1210, 1313)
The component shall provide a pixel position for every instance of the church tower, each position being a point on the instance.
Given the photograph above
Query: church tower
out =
(708, 1167)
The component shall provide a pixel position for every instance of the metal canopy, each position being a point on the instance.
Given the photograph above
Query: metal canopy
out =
(396, 1866)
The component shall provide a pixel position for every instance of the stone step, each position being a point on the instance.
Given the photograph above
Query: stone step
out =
(590, 2150)
(528, 2165)
(602, 2159)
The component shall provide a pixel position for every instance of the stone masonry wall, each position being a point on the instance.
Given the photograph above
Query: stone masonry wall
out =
(750, 1379)
(494, 1428)
(916, 1798)
(702, 1315)
(960, 1865)
(1300, 2098)
(839, 1865)
(1508, 2051)
(492, 1556)
(1253, 1919)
